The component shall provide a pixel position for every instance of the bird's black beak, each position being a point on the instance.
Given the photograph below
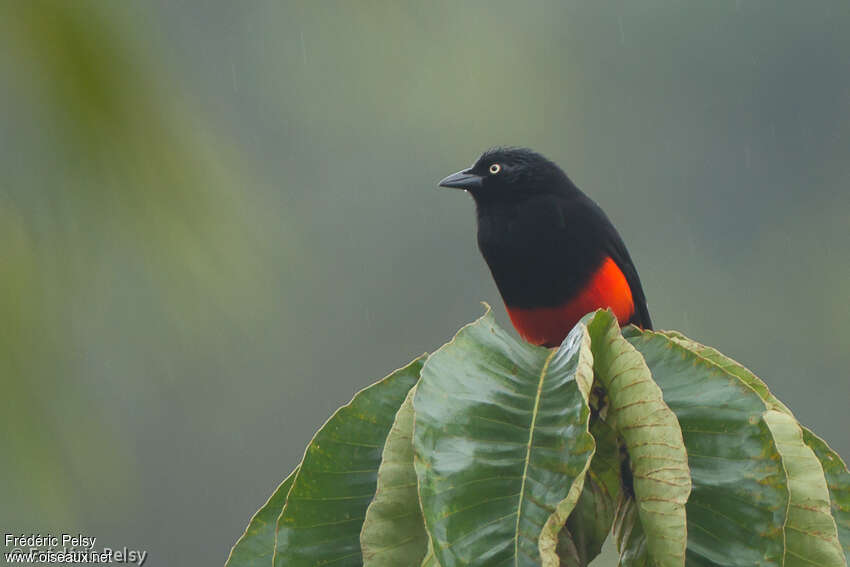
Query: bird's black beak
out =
(462, 180)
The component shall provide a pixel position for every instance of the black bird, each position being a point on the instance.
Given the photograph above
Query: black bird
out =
(552, 251)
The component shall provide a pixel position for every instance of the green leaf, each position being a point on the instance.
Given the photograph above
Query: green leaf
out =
(393, 533)
(550, 539)
(732, 367)
(321, 520)
(739, 500)
(810, 531)
(501, 438)
(798, 460)
(256, 546)
(652, 437)
(838, 482)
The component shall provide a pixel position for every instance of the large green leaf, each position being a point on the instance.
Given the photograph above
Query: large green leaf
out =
(256, 546)
(737, 508)
(809, 530)
(838, 483)
(549, 543)
(795, 458)
(834, 469)
(731, 366)
(501, 437)
(651, 433)
(321, 520)
(393, 533)
(811, 537)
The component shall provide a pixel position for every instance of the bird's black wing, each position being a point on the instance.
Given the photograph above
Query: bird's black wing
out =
(614, 246)
(621, 257)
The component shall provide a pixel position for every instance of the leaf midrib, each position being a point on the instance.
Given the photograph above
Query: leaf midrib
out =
(524, 477)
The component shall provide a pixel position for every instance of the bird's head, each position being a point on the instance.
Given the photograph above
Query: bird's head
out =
(508, 173)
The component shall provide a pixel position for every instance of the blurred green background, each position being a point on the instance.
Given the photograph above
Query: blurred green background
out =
(219, 220)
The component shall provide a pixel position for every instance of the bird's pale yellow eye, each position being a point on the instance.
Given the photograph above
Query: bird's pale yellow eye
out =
(495, 168)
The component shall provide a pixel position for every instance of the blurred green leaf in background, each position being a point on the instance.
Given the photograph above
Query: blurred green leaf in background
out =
(115, 192)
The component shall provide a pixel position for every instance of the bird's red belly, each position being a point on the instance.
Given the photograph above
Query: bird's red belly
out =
(547, 326)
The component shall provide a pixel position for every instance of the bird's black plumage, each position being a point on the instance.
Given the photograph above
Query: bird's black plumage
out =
(543, 239)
